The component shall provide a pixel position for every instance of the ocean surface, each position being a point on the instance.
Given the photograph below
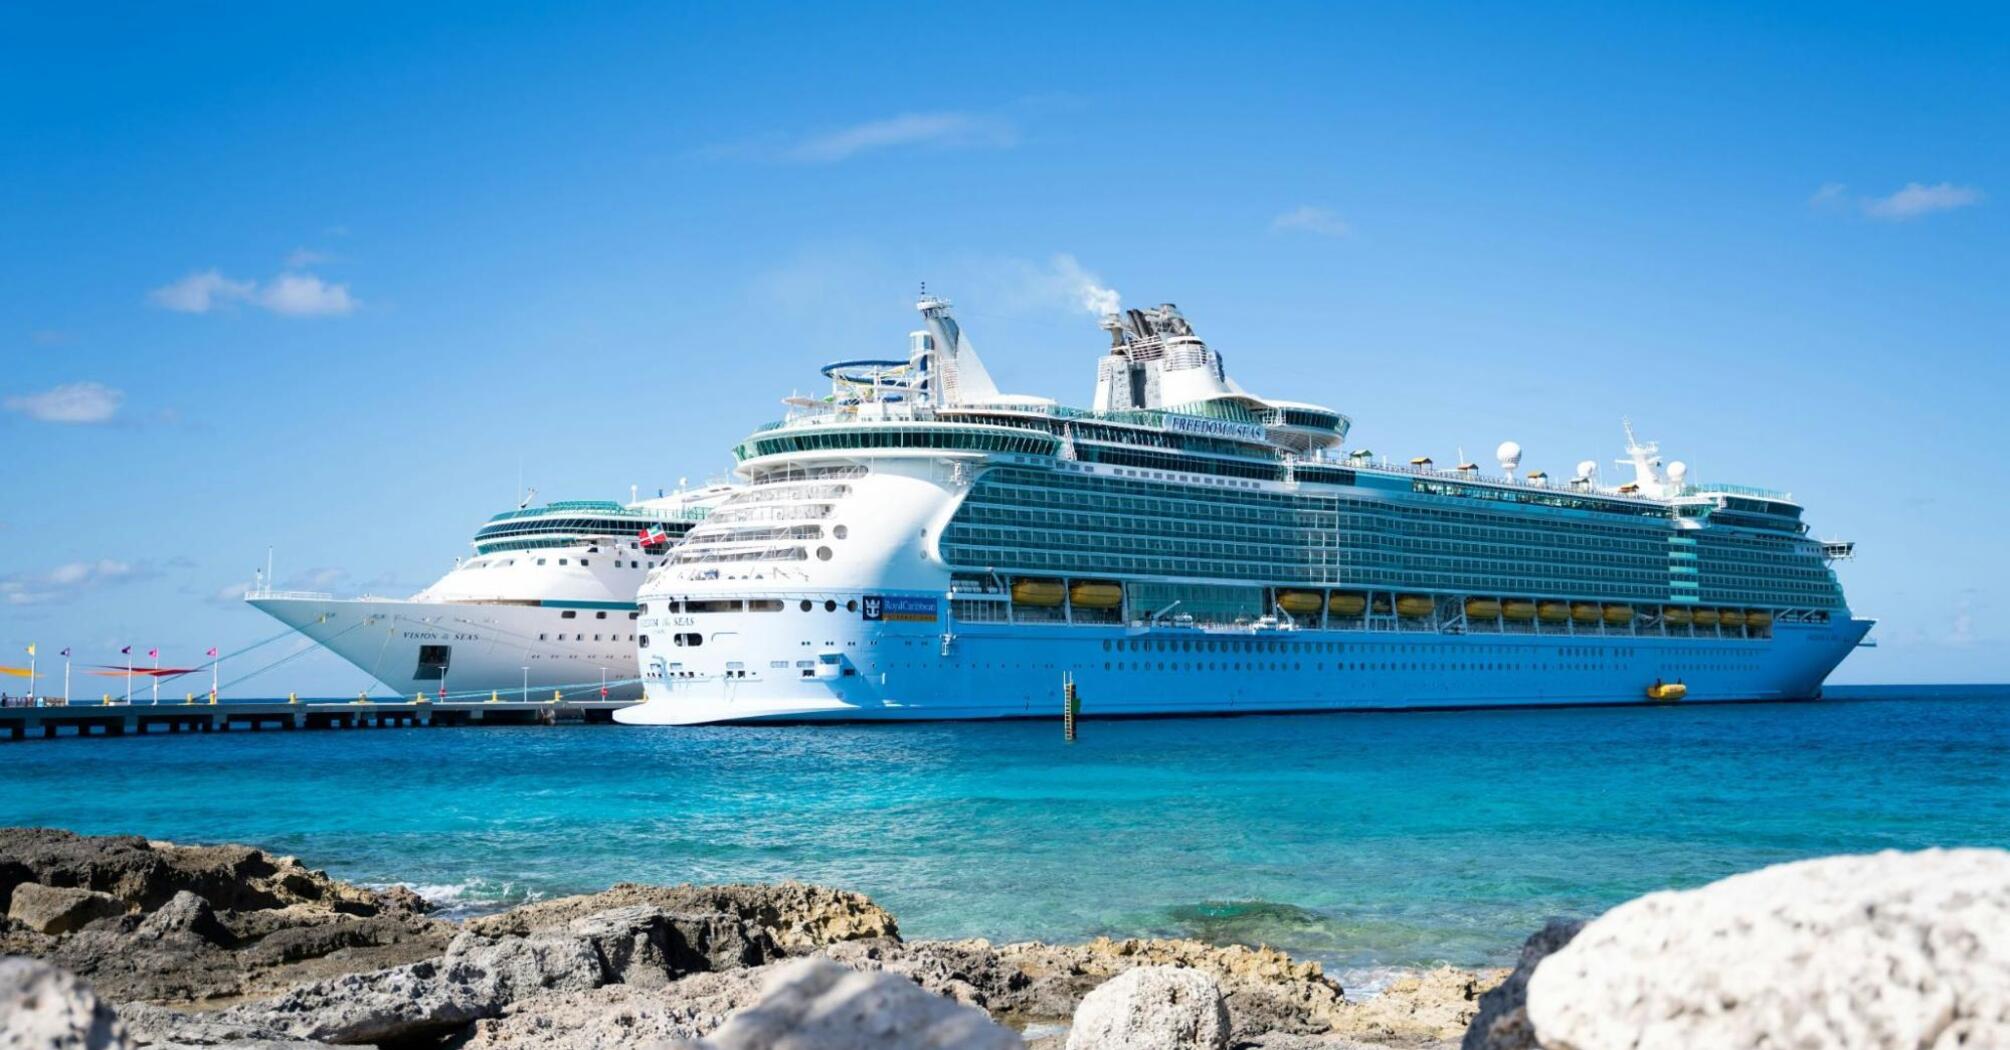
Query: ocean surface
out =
(1369, 841)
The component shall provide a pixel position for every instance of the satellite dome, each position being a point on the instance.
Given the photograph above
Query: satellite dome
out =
(1588, 469)
(1509, 454)
(1678, 470)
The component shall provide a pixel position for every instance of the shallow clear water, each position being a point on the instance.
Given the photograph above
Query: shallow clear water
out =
(1365, 840)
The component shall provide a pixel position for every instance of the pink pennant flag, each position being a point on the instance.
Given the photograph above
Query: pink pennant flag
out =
(212, 651)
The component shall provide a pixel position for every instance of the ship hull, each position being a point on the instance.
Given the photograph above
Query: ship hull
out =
(490, 648)
(992, 671)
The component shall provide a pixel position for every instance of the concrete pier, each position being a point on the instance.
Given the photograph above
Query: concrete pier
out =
(121, 719)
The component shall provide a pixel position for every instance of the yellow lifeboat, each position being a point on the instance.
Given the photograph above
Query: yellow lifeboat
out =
(1096, 594)
(1483, 608)
(1676, 615)
(1758, 619)
(1047, 593)
(1584, 612)
(1619, 615)
(1299, 603)
(1705, 617)
(1667, 692)
(1519, 610)
(1731, 617)
(1347, 603)
(1552, 612)
(1414, 605)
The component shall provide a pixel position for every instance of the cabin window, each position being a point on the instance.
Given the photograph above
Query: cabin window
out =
(569, 614)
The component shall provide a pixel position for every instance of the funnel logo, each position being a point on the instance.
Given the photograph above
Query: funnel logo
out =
(898, 607)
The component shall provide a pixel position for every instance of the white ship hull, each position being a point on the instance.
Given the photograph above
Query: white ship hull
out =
(490, 647)
(889, 672)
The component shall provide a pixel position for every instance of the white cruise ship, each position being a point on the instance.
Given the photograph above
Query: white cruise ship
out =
(920, 546)
(546, 604)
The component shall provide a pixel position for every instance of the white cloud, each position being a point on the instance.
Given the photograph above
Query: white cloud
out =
(944, 130)
(1312, 219)
(198, 293)
(302, 258)
(1917, 199)
(292, 294)
(1910, 202)
(66, 580)
(305, 295)
(85, 402)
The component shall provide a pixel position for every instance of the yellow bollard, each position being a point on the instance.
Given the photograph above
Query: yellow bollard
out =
(556, 696)
(495, 696)
(188, 699)
(108, 699)
(293, 698)
(212, 696)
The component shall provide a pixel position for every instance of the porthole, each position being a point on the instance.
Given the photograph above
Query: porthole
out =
(851, 606)
(830, 605)
(806, 605)
(823, 554)
(840, 531)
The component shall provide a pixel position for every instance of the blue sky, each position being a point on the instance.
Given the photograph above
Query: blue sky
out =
(327, 277)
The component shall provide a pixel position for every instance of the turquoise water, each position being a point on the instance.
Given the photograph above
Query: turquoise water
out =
(1364, 840)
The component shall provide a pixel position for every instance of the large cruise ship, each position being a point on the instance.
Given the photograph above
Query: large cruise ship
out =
(920, 546)
(545, 604)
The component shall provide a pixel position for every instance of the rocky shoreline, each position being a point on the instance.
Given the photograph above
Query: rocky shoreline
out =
(122, 941)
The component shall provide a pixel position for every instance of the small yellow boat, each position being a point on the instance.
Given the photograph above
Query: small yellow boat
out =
(1347, 603)
(1676, 615)
(1553, 612)
(1584, 612)
(1299, 603)
(1667, 692)
(1482, 608)
(1414, 606)
(1619, 615)
(1096, 594)
(1046, 593)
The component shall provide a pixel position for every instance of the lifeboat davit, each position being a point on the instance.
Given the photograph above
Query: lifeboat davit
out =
(1096, 594)
(1584, 612)
(1518, 610)
(1552, 612)
(1299, 603)
(1347, 603)
(1731, 617)
(1677, 615)
(1482, 608)
(1044, 593)
(1705, 617)
(1619, 615)
(1414, 605)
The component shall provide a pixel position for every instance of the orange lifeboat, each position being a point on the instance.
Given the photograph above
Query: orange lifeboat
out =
(1519, 610)
(1096, 594)
(1552, 612)
(1347, 603)
(1758, 619)
(1618, 615)
(1483, 608)
(1584, 612)
(1043, 593)
(1705, 617)
(1676, 615)
(1414, 605)
(1299, 603)
(1731, 617)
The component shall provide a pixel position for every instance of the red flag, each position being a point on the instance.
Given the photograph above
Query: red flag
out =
(153, 652)
(212, 651)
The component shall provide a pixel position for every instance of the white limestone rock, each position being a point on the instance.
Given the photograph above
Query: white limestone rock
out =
(817, 1004)
(44, 1008)
(1891, 950)
(1152, 1008)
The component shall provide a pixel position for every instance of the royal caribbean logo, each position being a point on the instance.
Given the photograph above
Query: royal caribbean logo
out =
(898, 607)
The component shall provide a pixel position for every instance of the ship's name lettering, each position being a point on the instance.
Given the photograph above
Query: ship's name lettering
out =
(1214, 427)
